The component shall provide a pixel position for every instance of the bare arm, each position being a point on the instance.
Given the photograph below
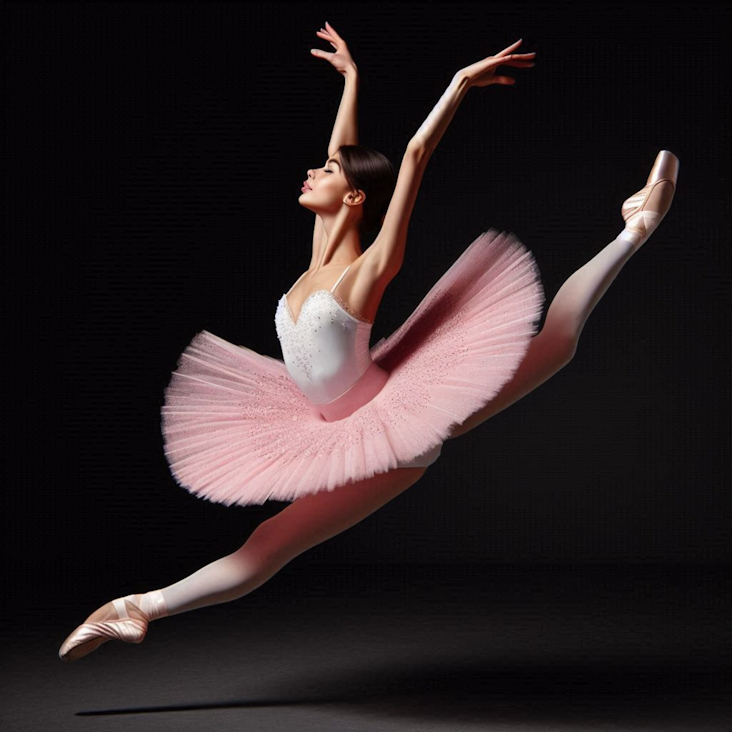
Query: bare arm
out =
(390, 244)
(345, 129)
(433, 128)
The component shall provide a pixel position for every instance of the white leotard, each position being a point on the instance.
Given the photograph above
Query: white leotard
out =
(327, 349)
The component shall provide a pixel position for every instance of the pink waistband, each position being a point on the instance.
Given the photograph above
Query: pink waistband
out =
(363, 390)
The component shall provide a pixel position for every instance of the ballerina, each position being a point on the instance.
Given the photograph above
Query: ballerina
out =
(340, 428)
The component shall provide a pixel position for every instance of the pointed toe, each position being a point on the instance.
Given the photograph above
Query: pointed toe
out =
(645, 210)
(89, 636)
(666, 167)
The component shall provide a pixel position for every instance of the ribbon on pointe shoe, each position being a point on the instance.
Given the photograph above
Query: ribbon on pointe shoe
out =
(640, 225)
(640, 222)
(124, 628)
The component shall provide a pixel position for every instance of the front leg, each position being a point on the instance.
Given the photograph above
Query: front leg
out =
(304, 523)
(317, 517)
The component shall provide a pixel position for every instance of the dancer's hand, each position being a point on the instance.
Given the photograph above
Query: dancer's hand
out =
(483, 73)
(341, 60)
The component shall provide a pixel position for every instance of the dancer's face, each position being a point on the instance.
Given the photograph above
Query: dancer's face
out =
(328, 190)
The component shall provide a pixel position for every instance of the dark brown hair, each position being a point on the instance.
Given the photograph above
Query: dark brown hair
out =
(373, 173)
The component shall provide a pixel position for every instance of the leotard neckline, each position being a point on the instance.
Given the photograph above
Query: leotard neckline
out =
(333, 297)
(331, 292)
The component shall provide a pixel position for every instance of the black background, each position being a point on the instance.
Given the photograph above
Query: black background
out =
(154, 156)
(157, 156)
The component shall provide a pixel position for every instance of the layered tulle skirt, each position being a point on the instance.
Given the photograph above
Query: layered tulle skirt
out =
(238, 430)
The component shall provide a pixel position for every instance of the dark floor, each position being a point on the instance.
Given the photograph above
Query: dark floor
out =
(398, 648)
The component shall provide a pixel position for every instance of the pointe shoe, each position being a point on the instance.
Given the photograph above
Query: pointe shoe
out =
(130, 628)
(644, 210)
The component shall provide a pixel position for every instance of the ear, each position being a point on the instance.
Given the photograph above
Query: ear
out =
(354, 198)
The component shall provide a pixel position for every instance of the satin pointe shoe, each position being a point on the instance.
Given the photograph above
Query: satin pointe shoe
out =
(644, 210)
(130, 626)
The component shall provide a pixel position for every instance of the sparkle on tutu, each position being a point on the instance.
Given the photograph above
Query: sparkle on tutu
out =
(242, 428)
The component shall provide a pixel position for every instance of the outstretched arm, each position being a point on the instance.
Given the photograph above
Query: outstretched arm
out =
(345, 129)
(390, 244)
(482, 73)
(388, 249)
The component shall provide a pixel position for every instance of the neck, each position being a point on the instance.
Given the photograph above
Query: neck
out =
(342, 245)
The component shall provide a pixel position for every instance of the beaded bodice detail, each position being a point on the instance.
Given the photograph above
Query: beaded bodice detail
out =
(327, 349)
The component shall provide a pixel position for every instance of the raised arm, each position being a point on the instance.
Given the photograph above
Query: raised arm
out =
(390, 244)
(345, 129)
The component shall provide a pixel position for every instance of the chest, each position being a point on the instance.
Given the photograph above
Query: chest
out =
(322, 322)
(325, 348)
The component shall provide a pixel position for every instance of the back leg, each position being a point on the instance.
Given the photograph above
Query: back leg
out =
(555, 346)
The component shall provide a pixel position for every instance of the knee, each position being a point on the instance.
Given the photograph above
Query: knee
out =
(264, 545)
(567, 349)
(561, 345)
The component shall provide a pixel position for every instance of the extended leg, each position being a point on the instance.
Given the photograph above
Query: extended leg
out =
(553, 348)
(307, 521)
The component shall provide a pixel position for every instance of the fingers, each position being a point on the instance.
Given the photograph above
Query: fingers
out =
(328, 38)
(321, 54)
(333, 31)
(330, 32)
(516, 57)
(506, 53)
(517, 60)
(508, 49)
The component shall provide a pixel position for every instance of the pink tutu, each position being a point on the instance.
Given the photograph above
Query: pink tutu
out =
(238, 430)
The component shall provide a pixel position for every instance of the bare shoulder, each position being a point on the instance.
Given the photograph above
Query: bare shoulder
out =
(364, 284)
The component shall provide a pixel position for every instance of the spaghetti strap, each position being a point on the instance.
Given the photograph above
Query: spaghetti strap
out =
(240, 426)
(340, 278)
